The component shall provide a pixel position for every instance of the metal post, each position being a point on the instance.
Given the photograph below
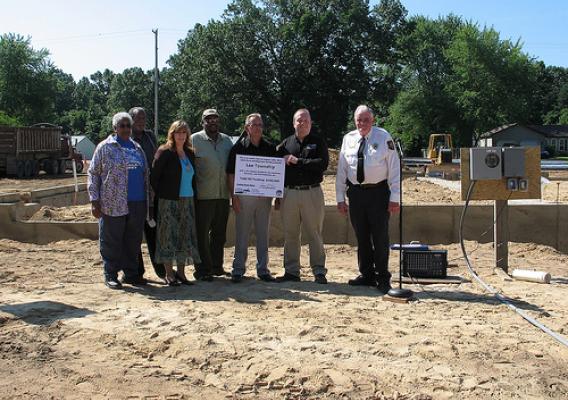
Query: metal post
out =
(400, 292)
(501, 234)
(156, 79)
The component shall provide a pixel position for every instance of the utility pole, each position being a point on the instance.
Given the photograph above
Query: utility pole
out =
(156, 79)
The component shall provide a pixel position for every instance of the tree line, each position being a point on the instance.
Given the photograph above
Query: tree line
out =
(421, 75)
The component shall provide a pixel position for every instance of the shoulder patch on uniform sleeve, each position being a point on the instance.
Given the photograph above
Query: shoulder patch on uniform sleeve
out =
(390, 143)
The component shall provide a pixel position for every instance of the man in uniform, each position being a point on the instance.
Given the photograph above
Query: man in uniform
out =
(212, 206)
(368, 172)
(306, 159)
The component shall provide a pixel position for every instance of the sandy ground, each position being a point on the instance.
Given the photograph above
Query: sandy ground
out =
(9, 185)
(416, 191)
(63, 334)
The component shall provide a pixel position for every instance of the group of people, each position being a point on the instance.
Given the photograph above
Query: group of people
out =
(178, 196)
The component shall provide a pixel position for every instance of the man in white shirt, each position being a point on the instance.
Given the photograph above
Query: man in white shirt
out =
(368, 174)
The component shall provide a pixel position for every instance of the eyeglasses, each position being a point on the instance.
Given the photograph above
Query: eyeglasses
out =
(256, 125)
(125, 126)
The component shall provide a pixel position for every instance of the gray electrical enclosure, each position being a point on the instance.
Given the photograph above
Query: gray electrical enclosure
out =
(513, 162)
(485, 163)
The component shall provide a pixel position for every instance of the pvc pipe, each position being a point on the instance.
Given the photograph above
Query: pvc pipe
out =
(531, 276)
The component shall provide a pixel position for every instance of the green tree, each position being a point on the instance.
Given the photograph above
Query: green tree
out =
(276, 56)
(26, 88)
(563, 118)
(492, 80)
(423, 105)
(8, 120)
(132, 87)
(459, 79)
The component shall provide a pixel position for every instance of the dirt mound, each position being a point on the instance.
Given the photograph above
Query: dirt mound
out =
(69, 214)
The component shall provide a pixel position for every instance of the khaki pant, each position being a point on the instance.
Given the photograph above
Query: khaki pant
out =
(303, 208)
(254, 211)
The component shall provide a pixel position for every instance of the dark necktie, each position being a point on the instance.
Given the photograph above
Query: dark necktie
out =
(361, 161)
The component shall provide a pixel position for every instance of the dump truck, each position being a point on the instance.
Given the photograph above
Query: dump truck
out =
(25, 151)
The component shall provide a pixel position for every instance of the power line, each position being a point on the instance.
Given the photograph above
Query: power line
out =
(111, 34)
(96, 35)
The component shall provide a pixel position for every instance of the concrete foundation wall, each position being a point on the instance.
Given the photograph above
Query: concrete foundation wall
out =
(60, 196)
(435, 224)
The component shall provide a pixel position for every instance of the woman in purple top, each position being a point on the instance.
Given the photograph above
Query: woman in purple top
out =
(118, 186)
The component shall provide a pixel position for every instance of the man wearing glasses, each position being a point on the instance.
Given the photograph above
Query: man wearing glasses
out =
(250, 210)
(368, 175)
(211, 149)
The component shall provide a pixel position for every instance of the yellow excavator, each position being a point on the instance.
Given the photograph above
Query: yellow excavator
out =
(440, 151)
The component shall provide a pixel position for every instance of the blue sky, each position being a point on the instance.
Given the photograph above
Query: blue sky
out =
(84, 37)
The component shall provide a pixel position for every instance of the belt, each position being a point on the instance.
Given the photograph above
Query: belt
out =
(303, 187)
(367, 185)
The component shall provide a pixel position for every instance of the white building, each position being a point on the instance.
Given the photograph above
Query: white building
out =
(554, 136)
(84, 146)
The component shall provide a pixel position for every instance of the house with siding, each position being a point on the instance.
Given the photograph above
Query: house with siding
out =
(545, 136)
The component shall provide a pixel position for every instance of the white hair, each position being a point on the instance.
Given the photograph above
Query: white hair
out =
(300, 111)
(118, 117)
(363, 108)
(252, 116)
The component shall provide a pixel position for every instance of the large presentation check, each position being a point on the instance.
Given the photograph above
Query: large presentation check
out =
(259, 176)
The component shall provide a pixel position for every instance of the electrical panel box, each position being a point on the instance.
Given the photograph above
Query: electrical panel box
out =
(520, 174)
(485, 163)
(513, 162)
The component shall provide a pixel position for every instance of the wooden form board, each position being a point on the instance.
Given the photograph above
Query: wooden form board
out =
(497, 189)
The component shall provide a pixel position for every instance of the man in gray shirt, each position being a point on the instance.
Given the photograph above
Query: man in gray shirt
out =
(211, 149)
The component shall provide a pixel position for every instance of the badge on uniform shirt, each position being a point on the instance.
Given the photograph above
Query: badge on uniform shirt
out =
(390, 144)
(311, 146)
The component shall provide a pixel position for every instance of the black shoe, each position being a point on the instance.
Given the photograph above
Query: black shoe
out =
(236, 278)
(320, 278)
(220, 272)
(288, 278)
(160, 271)
(384, 287)
(362, 281)
(203, 277)
(113, 284)
(267, 278)
(137, 281)
(172, 283)
(182, 281)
